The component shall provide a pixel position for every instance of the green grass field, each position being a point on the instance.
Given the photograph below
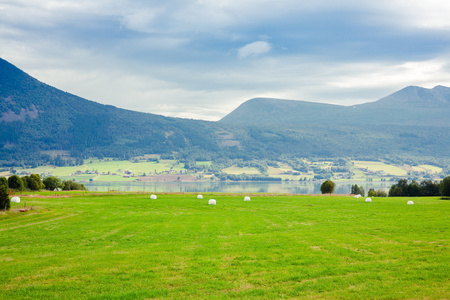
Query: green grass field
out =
(126, 246)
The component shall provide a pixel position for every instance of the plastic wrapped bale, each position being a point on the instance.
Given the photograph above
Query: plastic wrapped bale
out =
(246, 198)
(153, 197)
(15, 199)
(357, 196)
(199, 197)
(212, 202)
(409, 202)
(368, 200)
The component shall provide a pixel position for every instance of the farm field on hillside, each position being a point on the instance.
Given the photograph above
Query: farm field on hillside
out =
(108, 169)
(126, 246)
(238, 170)
(380, 166)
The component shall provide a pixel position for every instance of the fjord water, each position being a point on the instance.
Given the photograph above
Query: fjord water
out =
(282, 187)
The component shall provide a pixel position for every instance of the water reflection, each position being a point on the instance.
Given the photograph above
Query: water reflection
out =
(290, 187)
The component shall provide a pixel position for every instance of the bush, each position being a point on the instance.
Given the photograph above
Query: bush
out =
(445, 186)
(327, 187)
(380, 193)
(68, 185)
(5, 202)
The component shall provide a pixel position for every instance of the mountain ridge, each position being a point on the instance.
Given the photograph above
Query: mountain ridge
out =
(36, 118)
(411, 106)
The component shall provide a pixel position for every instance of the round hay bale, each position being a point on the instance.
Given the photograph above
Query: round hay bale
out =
(199, 197)
(153, 197)
(410, 202)
(357, 196)
(15, 199)
(368, 200)
(246, 198)
(212, 202)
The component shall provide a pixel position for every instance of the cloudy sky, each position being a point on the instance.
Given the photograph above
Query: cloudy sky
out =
(201, 59)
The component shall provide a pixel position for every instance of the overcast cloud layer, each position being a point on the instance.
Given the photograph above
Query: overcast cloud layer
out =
(201, 59)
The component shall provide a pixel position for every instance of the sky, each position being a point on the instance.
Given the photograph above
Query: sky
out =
(202, 59)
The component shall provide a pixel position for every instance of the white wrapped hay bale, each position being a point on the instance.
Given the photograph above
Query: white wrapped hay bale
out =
(212, 202)
(246, 198)
(357, 196)
(410, 202)
(15, 199)
(153, 197)
(368, 200)
(199, 197)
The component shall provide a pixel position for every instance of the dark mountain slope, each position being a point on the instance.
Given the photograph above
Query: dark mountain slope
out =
(409, 106)
(35, 117)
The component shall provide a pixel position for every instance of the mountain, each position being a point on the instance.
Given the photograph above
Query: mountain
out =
(409, 106)
(37, 121)
(415, 97)
(35, 117)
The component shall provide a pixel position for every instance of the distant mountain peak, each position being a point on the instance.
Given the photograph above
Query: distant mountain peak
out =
(415, 96)
(441, 88)
(412, 105)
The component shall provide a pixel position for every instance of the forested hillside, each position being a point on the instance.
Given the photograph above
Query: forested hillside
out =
(36, 119)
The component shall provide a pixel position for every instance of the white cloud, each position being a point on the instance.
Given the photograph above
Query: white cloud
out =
(254, 49)
(170, 57)
(430, 14)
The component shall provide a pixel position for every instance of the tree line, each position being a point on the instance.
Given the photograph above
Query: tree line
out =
(425, 188)
(34, 182)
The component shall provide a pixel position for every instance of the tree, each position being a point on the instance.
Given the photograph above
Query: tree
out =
(356, 189)
(15, 182)
(3, 181)
(413, 189)
(403, 184)
(51, 183)
(445, 186)
(395, 191)
(25, 180)
(35, 182)
(400, 189)
(371, 193)
(429, 188)
(327, 187)
(5, 202)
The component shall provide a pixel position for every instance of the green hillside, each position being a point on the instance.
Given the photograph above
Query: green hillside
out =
(40, 124)
(36, 117)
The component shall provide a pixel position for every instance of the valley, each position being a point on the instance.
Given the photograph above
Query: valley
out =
(152, 168)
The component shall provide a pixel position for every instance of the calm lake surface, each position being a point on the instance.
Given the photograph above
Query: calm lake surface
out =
(231, 187)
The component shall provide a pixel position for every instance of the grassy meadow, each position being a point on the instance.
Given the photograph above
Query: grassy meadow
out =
(126, 246)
